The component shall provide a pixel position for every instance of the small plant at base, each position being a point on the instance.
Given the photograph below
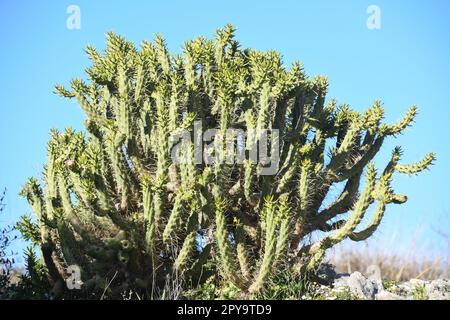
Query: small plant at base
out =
(344, 293)
(419, 293)
(390, 285)
(287, 285)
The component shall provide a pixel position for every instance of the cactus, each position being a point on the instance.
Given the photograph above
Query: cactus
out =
(114, 200)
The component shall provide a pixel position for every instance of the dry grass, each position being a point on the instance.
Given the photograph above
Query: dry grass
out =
(392, 266)
(402, 253)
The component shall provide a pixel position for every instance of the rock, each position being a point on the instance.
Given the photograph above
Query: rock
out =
(421, 289)
(326, 274)
(386, 295)
(416, 282)
(359, 285)
(373, 272)
(438, 289)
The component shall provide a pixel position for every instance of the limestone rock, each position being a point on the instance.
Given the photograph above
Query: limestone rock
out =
(359, 285)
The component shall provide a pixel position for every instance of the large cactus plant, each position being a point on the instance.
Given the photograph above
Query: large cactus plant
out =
(116, 204)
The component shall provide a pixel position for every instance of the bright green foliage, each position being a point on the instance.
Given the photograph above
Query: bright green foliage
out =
(420, 293)
(114, 203)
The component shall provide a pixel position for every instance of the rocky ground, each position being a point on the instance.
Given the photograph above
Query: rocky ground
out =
(372, 287)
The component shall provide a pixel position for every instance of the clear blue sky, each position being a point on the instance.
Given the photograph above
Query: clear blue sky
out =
(406, 62)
